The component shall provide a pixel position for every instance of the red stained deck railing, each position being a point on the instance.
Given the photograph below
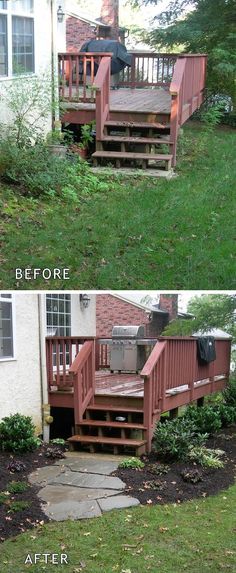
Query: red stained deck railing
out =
(60, 354)
(102, 87)
(186, 89)
(77, 72)
(174, 364)
(148, 69)
(83, 375)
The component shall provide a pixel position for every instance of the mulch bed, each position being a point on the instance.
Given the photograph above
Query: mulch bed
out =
(14, 522)
(152, 487)
(145, 484)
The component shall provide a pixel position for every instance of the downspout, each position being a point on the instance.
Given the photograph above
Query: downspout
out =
(46, 419)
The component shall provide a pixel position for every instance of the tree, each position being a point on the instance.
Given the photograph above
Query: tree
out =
(202, 26)
(209, 311)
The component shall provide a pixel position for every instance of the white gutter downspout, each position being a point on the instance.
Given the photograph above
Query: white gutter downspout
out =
(43, 368)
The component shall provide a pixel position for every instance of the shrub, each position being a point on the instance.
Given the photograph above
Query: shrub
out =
(17, 486)
(229, 394)
(134, 463)
(191, 476)
(206, 457)
(19, 506)
(173, 438)
(3, 497)
(17, 434)
(38, 172)
(16, 466)
(206, 419)
(158, 469)
(54, 453)
(227, 414)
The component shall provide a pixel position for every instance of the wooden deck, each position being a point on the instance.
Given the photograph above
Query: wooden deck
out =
(149, 100)
(116, 384)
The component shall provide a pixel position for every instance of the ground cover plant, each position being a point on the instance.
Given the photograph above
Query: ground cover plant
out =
(179, 233)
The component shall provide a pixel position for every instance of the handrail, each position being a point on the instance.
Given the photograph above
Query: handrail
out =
(81, 358)
(173, 375)
(76, 73)
(83, 374)
(148, 69)
(186, 89)
(102, 87)
(60, 353)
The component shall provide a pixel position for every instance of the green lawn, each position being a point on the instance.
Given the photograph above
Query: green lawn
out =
(197, 536)
(143, 233)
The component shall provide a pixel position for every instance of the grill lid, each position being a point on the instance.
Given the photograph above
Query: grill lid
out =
(128, 331)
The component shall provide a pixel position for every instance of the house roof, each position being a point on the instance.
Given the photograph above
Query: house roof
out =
(137, 304)
(216, 332)
(86, 18)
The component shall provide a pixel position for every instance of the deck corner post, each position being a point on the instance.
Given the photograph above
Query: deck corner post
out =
(147, 410)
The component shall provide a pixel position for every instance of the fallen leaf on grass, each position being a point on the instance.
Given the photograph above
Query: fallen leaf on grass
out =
(163, 529)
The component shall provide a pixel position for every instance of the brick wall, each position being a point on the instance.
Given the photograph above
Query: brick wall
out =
(78, 32)
(114, 311)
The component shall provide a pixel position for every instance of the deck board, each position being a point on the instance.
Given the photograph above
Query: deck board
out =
(115, 384)
(156, 100)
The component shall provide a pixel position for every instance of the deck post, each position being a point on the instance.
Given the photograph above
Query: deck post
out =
(147, 410)
(174, 413)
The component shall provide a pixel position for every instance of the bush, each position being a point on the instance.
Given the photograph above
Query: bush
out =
(206, 457)
(134, 463)
(229, 394)
(16, 506)
(16, 466)
(17, 486)
(54, 453)
(17, 434)
(206, 419)
(227, 414)
(38, 172)
(173, 438)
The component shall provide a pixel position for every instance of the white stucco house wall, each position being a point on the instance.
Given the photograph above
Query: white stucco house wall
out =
(25, 321)
(30, 38)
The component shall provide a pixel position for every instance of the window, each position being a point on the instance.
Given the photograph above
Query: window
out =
(6, 327)
(3, 44)
(58, 309)
(16, 37)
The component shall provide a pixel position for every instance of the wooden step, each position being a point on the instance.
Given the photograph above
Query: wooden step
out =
(118, 155)
(136, 125)
(138, 445)
(133, 139)
(103, 424)
(107, 408)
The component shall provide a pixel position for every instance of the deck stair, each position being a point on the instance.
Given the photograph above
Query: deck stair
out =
(139, 144)
(101, 430)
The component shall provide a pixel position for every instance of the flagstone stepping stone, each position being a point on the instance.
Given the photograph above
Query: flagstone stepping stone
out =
(117, 502)
(79, 479)
(58, 493)
(92, 466)
(45, 473)
(72, 510)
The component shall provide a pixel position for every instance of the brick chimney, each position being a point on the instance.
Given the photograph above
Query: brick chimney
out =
(169, 302)
(110, 16)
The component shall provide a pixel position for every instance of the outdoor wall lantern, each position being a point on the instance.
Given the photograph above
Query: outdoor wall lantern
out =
(84, 300)
(60, 15)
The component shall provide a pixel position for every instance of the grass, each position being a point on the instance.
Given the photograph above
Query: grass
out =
(195, 536)
(146, 233)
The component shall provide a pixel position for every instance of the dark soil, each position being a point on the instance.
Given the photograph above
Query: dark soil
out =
(151, 486)
(147, 484)
(14, 522)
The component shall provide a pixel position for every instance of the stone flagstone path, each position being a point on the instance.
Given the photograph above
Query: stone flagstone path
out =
(81, 486)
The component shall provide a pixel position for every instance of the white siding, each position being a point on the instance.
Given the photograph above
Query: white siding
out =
(20, 378)
(46, 39)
